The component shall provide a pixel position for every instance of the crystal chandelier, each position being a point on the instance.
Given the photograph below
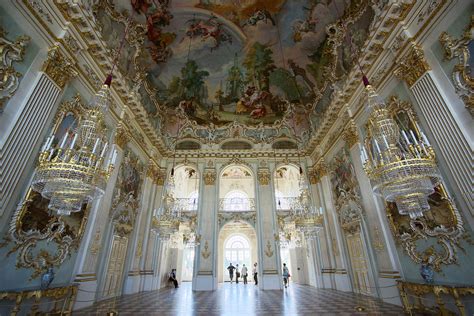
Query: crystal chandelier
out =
(73, 172)
(402, 169)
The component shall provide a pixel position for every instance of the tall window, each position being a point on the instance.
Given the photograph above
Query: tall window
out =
(236, 251)
(236, 201)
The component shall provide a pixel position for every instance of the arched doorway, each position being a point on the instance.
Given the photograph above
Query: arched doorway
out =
(237, 244)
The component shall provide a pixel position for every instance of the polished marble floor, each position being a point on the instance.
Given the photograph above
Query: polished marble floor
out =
(240, 299)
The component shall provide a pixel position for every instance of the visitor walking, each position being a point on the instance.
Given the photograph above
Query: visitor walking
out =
(173, 279)
(255, 273)
(237, 273)
(286, 275)
(244, 273)
(231, 269)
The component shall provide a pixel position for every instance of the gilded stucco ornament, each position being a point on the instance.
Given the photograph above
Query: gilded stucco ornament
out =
(209, 177)
(413, 66)
(122, 136)
(263, 176)
(350, 134)
(10, 52)
(462, 76)
(320, 170)
(232, 217)
(58, 67)
(206, 252)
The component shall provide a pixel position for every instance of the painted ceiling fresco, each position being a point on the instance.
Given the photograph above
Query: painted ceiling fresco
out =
(225, 61)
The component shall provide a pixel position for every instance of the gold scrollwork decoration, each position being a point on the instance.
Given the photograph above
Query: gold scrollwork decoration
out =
(263, 176)
(462, 78)
(58, 67)
(209, 177)
(413, 66)
(10, 52)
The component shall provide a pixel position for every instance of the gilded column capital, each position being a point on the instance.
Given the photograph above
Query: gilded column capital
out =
(263, 176)
(414, 65)
(10, 52)
(351, 135)
(319, 171)
(209, 177)
(313, 176)
(122, 136)
(58, 67)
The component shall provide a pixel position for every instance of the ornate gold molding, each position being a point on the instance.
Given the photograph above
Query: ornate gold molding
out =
(350, 134)
(122, 136)
(263, 176)
(58, 67)
(10, 52)
(462, 79)
(268, 249)
(156, 174)
(414, 65)
(209, 177)
(319, 171)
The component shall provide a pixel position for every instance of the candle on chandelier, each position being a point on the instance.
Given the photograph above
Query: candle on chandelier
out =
(114, 156)
(63, 142)
(73, 142)
(414, 138)
(95, 145)
(45, 145)
(104, 149)
(385, 141)
(405, 137)
(377, 146)
(425, 140)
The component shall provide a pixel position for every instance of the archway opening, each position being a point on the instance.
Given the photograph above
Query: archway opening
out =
(237, 245)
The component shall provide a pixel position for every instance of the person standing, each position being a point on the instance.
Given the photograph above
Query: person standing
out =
(173, 279)
(255, 273)
(244, 273)
(286, 275)
(237, 273)
(231, 269)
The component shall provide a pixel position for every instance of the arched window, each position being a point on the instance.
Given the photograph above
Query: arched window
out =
(236, 201)
(236, 251)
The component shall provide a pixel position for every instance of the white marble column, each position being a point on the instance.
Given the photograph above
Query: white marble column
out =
(268, 249)
(92, 245)
(341, 276)
(205, 260)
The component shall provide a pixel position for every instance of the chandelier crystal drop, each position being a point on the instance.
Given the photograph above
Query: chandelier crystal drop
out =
(72, 172)
(400, 163)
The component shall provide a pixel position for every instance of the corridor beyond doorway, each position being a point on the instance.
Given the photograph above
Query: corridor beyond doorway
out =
(230, 299)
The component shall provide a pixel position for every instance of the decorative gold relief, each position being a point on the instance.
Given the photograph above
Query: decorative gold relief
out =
(263, 176)
(413, 66)
(10, 52)
(268, 249)
(122, 136)
(58, 67)
(206, 252)
(350, 134)
(462, 77)
(320, 170)
(441, 227)
(209, 177)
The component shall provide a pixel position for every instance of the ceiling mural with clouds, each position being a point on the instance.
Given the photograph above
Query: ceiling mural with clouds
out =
(221, 62)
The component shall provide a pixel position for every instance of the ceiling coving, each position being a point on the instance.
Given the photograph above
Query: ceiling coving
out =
(270, 65)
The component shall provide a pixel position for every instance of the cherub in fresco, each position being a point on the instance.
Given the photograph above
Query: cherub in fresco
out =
(141, 6)
(257, 16)
(259, 111)
(188, 107)
(208, 29)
